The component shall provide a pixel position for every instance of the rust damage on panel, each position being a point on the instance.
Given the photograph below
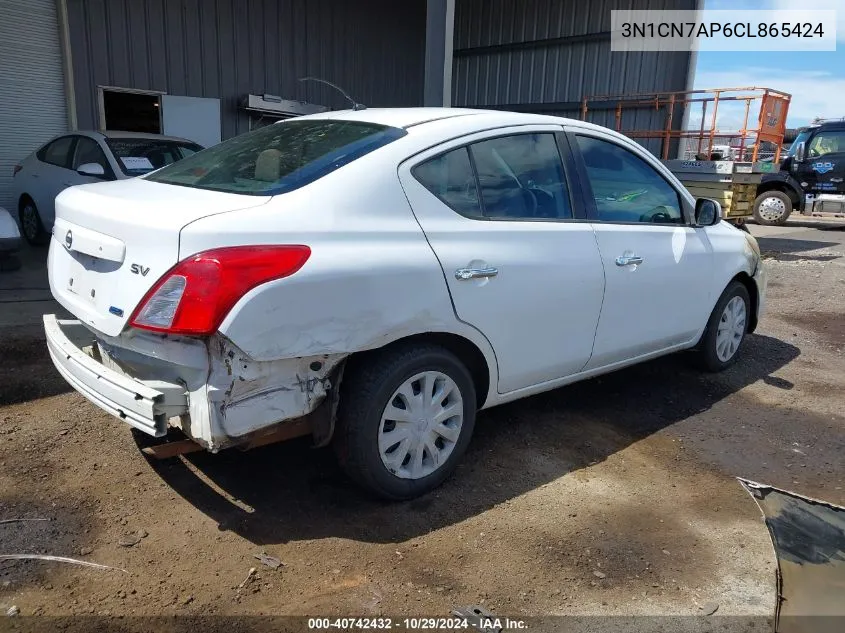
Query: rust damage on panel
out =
(809, 541)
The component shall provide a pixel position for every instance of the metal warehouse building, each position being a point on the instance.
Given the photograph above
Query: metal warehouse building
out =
(211, 69)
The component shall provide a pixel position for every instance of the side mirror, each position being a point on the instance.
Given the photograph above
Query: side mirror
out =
(91, 169)
(707, 212)
(799, 152)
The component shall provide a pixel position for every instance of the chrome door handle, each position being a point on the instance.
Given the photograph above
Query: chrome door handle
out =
(475, 273)
(629, 260)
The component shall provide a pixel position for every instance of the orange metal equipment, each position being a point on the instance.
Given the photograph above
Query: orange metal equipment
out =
(771, 120)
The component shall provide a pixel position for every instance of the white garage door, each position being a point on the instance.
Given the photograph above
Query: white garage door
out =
(32, 98)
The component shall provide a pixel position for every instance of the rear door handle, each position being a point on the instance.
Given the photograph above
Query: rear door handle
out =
(628, 260)
(463, 274)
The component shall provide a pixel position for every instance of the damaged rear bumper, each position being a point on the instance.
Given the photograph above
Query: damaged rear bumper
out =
(208, 388)
(138, 404)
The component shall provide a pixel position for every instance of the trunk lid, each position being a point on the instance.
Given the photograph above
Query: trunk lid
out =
(112, 241)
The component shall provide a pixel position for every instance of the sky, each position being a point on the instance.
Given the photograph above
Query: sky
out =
(816, 80)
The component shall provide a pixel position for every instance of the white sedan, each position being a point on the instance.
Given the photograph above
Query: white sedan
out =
(373, 278)
(79, 158)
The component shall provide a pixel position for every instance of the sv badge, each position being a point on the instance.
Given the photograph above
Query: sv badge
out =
(137, 269)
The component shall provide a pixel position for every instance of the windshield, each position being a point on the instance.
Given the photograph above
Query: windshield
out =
(138, 156)
(278, 158)
(801, 138)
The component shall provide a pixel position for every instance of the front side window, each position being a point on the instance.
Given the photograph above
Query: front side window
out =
(832, 142)
(625, 187)
(278, 158)
(58, 152)
(139, 156)
(519, 177)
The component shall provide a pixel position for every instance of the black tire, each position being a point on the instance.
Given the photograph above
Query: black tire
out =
(367, 387)
(9, 263)
(780, 219)
(706, 352)
(32, 228)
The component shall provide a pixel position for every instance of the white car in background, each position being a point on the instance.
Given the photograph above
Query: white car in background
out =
(376, 277)
(79, 158)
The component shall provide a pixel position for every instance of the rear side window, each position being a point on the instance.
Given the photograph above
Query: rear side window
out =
(88, 151)
(450, 178)
(278, 158)
(58, 152)
(517, 177)
(521, 177)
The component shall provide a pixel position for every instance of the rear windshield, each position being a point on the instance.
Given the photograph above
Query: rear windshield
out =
(279, 157)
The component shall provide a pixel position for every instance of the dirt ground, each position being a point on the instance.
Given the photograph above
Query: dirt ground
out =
(613, 496)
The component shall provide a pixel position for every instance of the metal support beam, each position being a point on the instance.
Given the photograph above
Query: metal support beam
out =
(439, 35)
(600, 36)
(67, 63)
(691, 67)
(547, 106)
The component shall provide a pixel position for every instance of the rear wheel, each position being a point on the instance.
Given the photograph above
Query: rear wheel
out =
(9, 262)
(31, 226)
(722, 339)
(772, 208)
(405, 418)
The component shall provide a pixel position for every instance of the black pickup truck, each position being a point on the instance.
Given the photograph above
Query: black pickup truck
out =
(811, 177)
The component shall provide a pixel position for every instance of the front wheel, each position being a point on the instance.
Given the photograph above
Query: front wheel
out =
(725, 332)
(772, 208)
(405, 418)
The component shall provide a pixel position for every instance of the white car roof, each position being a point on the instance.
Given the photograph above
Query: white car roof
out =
(483, 119)
(408, 117)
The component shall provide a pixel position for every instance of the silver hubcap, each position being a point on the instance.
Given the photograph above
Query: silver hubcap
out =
(421, 425)
(731, 329)
(29, 222)
(772, 208)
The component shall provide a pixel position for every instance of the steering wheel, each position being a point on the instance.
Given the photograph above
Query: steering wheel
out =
(546, 207)
(532, 202)
(659, 214)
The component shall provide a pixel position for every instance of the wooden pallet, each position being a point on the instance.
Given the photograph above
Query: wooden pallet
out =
(732, 185)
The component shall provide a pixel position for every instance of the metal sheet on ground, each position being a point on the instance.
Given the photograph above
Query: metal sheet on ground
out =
(809, 541)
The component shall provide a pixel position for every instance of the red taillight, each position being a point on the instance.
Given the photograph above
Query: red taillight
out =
(15, 170)
(196, 294)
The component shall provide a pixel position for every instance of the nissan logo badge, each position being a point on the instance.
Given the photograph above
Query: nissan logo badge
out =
(69, 239)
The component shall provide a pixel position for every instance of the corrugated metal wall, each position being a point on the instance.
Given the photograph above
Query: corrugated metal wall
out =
(229, 48)
(545, 55)
(32, 91)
